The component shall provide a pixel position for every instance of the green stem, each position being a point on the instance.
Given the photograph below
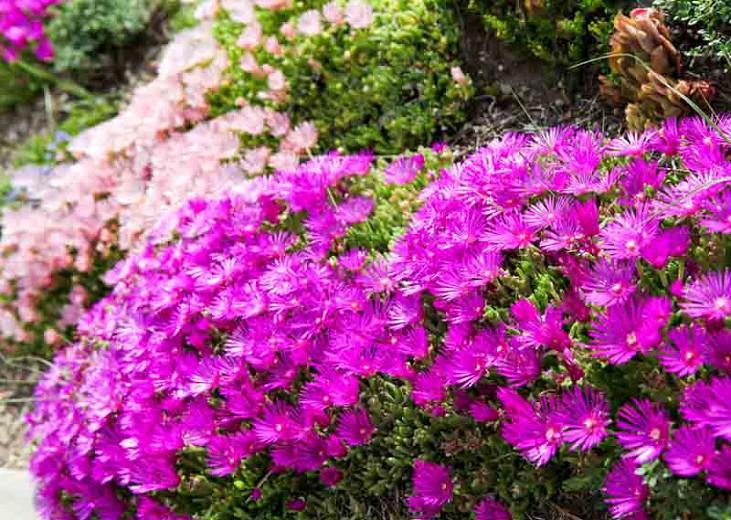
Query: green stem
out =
(64, 84)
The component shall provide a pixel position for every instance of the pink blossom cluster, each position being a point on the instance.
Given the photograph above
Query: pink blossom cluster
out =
(257, 297)
(357, 14)
(21, 28)
(131, 171)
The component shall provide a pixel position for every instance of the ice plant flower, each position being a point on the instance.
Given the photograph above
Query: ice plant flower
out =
(625, 490)
(432, 488)
(685, 352)
(692, 450)
(709, 296)
(643, 428)
(585, 416)
(490, 509)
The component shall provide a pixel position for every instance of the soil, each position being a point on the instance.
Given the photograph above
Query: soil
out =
(17, 379)
(519, 94)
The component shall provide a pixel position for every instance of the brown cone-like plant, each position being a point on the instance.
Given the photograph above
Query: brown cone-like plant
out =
(646, 69)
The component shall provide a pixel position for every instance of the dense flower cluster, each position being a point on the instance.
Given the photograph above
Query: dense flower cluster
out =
(21, 27)
(532, 270)
(278, 314)
(131, 170)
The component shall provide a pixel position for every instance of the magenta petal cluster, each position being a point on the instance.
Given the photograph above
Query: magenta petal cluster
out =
(245, 326)
(432, 489)
(21, 28)
(626, 491)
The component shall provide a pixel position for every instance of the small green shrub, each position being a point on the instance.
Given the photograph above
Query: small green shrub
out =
(557, 32)
(87, 34)
(708, 24)
(386, 87)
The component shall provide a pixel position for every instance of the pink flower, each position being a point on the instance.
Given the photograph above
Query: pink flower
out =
(359, 14)
(644, 429)
(490, 509)
(251, 36)
(691, 451)
(302, 137)
(288, 30)
(709, 296)
(330, 476)
(274, 5)
(625, 490)
(309, 23)
(432, 488)
(459, 76)
(332, 12)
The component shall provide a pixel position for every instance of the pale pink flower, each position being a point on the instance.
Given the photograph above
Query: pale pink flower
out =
(276, 81)
(288, 30)
(254, 160)
(332, 12)
(309, 23)
(248, 63)
(459, 76)
(284, 161)
(272, 46)
(251, 36)
(359, 14)
(241, 11)
(274, 5)
(302, 137)
(278, 123)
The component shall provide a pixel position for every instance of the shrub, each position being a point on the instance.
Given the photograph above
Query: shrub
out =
(557, 32)
(88, 34)
(705, 23)
(146, 161)
(550, 331)
(383, 82)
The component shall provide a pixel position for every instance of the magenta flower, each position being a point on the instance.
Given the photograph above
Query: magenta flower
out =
(719, 347)
(609, 283)
(508, 231)
(691, 451)
(686, 351)
(536, 330)
(355, 427)
(535, 430)
(626, 330)
(668, 243)
(225, 453)
(718, 217)
(276, 424)
(719, 474)
(330, 476)
(585, 414)
(709, 296)
(490, 509)
(709, 404)
(404, 169)
(625, 490)
(296, 504)
(432, 488)
(639, 175)
(643, 428)
(629, 234)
